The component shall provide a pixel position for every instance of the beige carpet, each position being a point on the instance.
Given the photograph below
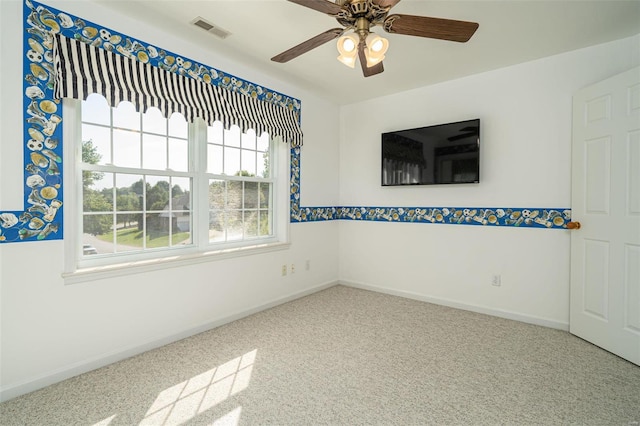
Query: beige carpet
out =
(351, 357)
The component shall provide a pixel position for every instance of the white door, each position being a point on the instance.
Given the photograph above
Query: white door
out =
(605, 191)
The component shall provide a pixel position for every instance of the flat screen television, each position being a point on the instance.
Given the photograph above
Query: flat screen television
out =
(440, 154)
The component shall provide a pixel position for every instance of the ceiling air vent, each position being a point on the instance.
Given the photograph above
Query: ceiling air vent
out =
(211, 28)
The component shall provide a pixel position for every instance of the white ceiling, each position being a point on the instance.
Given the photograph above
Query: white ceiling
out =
(510, 32)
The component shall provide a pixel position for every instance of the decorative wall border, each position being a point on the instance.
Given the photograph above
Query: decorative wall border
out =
(548, 218)
(42, 217)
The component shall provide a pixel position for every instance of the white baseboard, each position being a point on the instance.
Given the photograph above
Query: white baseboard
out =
(58, 375)
(460, 305)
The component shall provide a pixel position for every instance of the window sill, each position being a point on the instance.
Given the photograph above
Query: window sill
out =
(130, 268)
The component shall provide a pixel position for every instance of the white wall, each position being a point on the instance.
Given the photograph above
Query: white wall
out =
(50, 331)
(525, 113)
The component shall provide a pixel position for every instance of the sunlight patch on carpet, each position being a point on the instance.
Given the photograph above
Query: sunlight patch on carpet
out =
(230, 419)
(183, 401)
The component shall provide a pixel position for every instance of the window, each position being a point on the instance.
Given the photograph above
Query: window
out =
(240, 185)
(152, 187)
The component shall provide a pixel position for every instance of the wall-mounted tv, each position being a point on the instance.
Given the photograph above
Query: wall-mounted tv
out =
(440, 154)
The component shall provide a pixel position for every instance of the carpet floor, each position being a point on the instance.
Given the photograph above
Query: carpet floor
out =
(345, 356)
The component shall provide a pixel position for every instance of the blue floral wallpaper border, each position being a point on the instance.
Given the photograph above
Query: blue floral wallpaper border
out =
(548, 218)
(42, 217)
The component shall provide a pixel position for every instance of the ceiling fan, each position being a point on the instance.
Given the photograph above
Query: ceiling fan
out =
(360, 16)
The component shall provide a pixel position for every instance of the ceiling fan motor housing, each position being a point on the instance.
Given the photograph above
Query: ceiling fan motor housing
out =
(359, 7)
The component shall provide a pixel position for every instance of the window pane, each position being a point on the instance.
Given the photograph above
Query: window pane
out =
(214, 133)
(263, 167)
(129, 232)
(265, 195)
(234, 195)
(154, 122)
(178, 126)
(217, 194)
(97, 191)
(132, 183)
(249, 162)
(249, 139)
(92, 246)
(158, 190)
(214, 159)
(266, 222)
(125, 116)
(251, 195)
(97, 225)
(126, 148)
(179, 155)
(216, 226)
(232, 136)
(127, 200)
(181, 193)
(158, 227)
(231, 161)
(250, 223)
(154, 152)
(181, 229)
(128, 220)
(263, 142)
(96, 144)
(96, 110)
(234, 225)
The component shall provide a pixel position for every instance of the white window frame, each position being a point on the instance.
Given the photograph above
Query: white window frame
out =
(77, 269)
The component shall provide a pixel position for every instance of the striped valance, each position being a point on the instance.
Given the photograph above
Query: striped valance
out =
(83, 69)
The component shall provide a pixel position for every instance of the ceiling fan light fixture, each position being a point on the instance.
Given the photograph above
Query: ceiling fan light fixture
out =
(349, 61)
(347, 44)
(348, 48)
(371, 61)
(376, 48)
(376, 44)
(359, 16)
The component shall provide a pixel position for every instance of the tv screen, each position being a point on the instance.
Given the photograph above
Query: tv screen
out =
(441, 154)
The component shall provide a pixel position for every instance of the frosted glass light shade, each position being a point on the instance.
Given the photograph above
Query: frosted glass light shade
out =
(376, 48)
(348, 48)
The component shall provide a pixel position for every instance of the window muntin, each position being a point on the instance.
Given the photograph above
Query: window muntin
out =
(140, 191)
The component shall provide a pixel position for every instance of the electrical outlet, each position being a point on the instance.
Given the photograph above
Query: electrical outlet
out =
(307, 265)
(496, 280)
(293, 268)
(284, 270)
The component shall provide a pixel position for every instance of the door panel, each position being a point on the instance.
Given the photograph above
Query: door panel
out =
(605, 192)
(596, 278)
(633, 174)
(632, 292)
(597, 175)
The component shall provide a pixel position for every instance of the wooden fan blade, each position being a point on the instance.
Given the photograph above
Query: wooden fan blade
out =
(368, 71)
(323, 6)
(422, 26)
(386, 3)
(306, 46)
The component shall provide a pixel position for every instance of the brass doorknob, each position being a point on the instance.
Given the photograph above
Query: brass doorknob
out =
(573, 225)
